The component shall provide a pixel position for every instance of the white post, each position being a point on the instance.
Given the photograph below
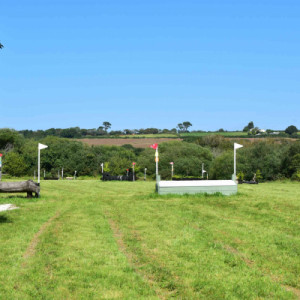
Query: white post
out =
(234, 163)
(145, 174)
(133, 172)
(62, 173)
(102, 167)
(235, 146)
(172, 169)
(44, 173)
(0, 166)
(40, 146)
(202, 169)
(75, 175)
(39, 165)
(156, 161)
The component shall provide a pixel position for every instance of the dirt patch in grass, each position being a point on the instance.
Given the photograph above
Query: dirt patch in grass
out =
(295, 291)
(30, 251)
(135, 142)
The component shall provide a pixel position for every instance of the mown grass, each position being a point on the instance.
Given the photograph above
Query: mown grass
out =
(118, 240)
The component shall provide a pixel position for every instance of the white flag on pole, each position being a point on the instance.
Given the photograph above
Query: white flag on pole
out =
(41, 146)
(237, 146)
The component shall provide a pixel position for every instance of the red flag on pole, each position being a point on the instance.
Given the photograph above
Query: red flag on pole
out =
(154, 146)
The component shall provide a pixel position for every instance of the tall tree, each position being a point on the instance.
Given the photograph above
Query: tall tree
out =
(106, 125)
(180, 127)
(250, 125)
(291, 129)
(186, 125)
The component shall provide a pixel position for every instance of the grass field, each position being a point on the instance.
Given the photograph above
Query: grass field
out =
(135, 142)
(193, 134)
(170, 135)
(118, 240)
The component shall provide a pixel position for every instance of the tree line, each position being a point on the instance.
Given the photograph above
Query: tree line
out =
(101, 131)
(270, 159)
(104, 131)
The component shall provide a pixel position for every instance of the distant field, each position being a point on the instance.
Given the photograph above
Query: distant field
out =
(143, 141)
(135, 142)
(167, 135)
(160, 135)
(226, 134)
(119, 240)
(229, 134)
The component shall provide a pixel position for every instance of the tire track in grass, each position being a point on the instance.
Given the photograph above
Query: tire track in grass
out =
(31, 249)
(161, 293)
(251, 264)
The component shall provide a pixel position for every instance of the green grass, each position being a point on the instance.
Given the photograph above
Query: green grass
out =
(159, 135)
(118, 240)
(225, 134)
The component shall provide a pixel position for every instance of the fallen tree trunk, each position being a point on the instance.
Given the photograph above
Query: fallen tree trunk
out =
(28, 187)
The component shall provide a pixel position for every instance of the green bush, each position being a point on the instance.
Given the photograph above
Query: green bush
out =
(240, 176)
(258, 176)
(14, 164)
(296, 176)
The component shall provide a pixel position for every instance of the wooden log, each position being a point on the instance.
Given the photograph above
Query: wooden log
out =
(28, 187)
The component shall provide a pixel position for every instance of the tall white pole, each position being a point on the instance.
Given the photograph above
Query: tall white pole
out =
(234, 158)
(40, 146)
(0, 166)
(133, 179)
(156, 160)
(39, 164)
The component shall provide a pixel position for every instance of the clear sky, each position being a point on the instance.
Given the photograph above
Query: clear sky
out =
(154, 63)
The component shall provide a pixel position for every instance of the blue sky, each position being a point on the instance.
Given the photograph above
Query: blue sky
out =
(139, 64)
